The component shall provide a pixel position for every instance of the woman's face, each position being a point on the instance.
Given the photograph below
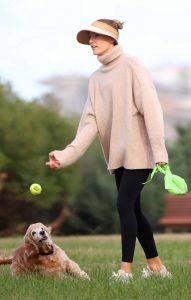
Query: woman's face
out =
(100, 43)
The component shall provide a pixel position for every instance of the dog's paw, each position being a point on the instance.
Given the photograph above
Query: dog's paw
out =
(46, 248)
(84, 275)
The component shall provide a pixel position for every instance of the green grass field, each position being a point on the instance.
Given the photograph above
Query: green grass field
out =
(99, 256)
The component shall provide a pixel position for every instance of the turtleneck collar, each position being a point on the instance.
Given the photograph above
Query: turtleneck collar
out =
(111, 55)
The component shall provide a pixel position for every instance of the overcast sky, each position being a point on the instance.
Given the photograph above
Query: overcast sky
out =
(38, 37)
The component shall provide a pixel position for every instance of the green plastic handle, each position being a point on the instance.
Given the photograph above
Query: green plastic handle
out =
(174, 184)
(162, 169)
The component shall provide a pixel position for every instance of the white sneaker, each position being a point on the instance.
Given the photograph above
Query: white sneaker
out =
(162, 272)
(121, 276)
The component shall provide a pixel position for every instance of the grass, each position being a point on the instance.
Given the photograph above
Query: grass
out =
(99, 256)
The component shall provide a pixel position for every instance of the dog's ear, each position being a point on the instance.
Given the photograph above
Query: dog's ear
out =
(31, 248)
(49, 229)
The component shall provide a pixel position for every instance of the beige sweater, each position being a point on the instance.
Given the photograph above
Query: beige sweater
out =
(124, 110)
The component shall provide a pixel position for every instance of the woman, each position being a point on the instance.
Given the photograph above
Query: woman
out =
(123, 109)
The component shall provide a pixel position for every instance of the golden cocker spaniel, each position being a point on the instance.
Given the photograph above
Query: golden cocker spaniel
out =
(39, 254)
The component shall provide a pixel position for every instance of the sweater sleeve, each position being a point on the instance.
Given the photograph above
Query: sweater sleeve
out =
(86, 133)
(148, 105)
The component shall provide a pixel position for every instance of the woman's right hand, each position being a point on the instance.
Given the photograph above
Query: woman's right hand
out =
(53, 163)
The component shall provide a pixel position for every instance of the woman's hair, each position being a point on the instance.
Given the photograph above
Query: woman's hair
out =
(116, 24)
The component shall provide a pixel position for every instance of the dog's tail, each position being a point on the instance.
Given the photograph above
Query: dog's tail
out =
(5, 261)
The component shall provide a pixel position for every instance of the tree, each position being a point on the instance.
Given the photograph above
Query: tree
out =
(180, 153)
(28, 132)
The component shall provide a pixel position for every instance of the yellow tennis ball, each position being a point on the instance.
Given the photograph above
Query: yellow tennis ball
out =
(35, 189)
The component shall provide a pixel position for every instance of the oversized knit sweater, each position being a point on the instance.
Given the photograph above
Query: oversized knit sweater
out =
(124, 110)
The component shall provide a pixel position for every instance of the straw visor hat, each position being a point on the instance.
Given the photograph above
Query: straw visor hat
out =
(83, 36)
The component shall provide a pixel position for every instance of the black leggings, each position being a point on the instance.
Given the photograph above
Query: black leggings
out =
(133, 222)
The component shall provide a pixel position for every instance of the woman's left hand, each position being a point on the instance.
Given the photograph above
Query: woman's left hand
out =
(161, 163)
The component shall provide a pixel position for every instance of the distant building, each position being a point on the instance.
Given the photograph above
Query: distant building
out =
(173, 78)
(71, 92)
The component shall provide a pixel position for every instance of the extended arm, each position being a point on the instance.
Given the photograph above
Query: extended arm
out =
(86, 133)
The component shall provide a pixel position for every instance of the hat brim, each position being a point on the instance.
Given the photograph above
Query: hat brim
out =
(83, 36)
